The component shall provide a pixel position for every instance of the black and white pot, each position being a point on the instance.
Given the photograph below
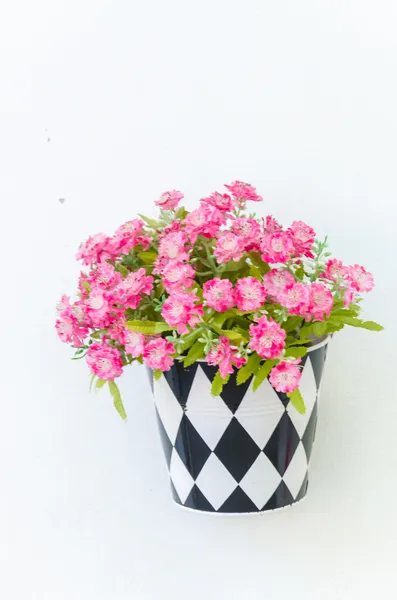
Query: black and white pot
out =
(243, 451)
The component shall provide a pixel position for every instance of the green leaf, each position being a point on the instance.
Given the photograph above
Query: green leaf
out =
(100, 383)
(297, 401)
(92, 380)
(354, 322)
(86, 286)
(218, 383)
(263, 372)
(235, 337)
(181, 213)
(96, 335)
(151, 222)
(319, 328)
(306, 331)
(292, 323)
(235, 266)
(220, 318)
(122, 269)
(372, 326)
(147, 257)
(256, 260)
(189, 340)
(250, 367)
(195, 353)
(118, 403)
(296, 351)
(255, 272)
(148, 327)
(157, 373)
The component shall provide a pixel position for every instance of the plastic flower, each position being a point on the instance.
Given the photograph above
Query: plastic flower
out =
(225, 356)
(157, 354)
(130, 290)
(243, 191)
(249, 231)
(172, 246)
(127, 236)
(250, 294)
(69, 330)
(104, 361)
(169, 200)
(320, 302)
(276, 280)
(180, 310)
(277, 247)
(335, 270)
(222, 202)
(134, 343)
(97, 309)
(360, 279)
(295, 297)
(95, 249)
(303, 237)
(285, 376)
(177, 275)
(104, 276)
(205, 221)
(270, 225)
(267, 338)
(219, 294)
(229, 246)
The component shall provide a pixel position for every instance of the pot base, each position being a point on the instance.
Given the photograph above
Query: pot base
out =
(238, 514)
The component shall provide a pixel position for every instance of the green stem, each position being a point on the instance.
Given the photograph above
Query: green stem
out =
(210, 258)
(203, 273)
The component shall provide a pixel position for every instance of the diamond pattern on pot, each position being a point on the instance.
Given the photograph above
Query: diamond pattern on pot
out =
(192, 449)
(215, 482)
(237, 450)
(282, 445)
(169, 409)
(260, 412)
(296, 472)
(308, 389)
(209, 415)
(180, 477)
(261, 481)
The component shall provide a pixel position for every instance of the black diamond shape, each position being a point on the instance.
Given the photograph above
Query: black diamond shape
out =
(236, 450)
(310, 431)
(238, 502)
(180, 380)
(281, 497)
(302, 492)
(232, 394)
(165, 440)
(282, 396)
(317, 358)
(197, 500)
(282, 445)
(175, 493)
(191, 447)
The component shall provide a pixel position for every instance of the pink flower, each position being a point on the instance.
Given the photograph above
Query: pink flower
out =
(180, 310)
(267, 338)
(169, 200)
(277, 247)
(129, 291)
(97, 308)
(335, 270)
(63, 306)
(95, 249)
(285, 376)
(243, 191)
(270, 225)
(177, 275)
(219, 294)
(302, 237)
(134, 343)
(69, 330)
(128, 236)
(116, 330)
(225, 356)
(348, 297)
(249, 231)
(205, 221)
(104, 276)
(229, 246)
(222, 202)
(250, 294)
(320, 302)
(157, 354)
(360, 279)
(104, 361)
(275, 281)
(295, 297)
(172, 246)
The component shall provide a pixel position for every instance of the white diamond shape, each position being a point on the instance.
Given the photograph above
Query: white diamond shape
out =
(296, 471)
(168, 407)
(308, 389)
(261, 481)
(181, 478)
(260, 412)
(208, 414)
(215, 482)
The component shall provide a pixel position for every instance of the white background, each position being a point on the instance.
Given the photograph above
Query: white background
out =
(105, 105)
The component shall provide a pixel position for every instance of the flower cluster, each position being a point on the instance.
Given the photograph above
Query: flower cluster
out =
(216, 284)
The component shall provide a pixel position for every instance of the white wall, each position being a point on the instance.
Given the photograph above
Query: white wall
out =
(298, 98)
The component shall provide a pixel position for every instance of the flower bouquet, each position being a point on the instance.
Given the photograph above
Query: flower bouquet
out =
(241, 296)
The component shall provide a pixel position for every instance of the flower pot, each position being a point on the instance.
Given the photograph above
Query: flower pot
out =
(241, 452)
